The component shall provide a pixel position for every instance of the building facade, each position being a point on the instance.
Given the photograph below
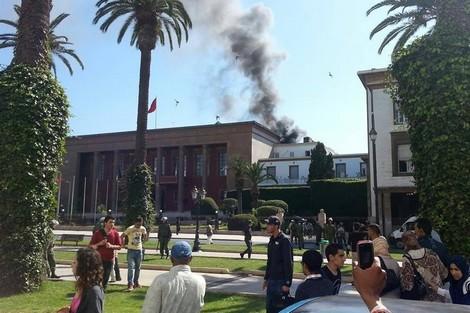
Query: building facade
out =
(392, 188)
(181, 158)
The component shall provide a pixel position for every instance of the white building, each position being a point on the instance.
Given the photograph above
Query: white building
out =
(392, 188)
(290, 163)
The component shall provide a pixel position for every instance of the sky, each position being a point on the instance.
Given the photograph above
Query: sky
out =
(308, 40)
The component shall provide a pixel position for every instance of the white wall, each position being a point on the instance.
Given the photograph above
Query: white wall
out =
(353, 165)
(298, 149)
(260, 148)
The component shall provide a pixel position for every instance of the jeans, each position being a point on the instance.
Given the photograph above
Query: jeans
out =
(107, 268)
(134, 258)
(273, 296)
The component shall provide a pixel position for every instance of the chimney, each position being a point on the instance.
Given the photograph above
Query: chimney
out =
(307, 139)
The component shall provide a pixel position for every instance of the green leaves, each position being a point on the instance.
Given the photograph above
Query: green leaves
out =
(138, 197)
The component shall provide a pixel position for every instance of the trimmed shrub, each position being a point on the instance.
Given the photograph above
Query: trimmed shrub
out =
(139, 190)
(33, 127)
(208, 207)
(267, 211)
(277, 203)
(239, 222)
(229, 205)
(261, 203)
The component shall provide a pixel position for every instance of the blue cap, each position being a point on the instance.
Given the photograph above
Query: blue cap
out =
(181, 249)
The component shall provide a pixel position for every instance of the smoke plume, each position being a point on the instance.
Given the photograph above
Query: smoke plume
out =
(248, 49)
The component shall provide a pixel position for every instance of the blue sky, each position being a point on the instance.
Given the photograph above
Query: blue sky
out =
(316, 37)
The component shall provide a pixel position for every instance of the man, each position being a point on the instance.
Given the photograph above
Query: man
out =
(136, 234)
(178, 290)
(106, 240)
(321, 218)
(248, 234)
(301, 233)
(279, 267)
(329, 231)
(314, 285)
(50, 251)
(426, 263)
(332, 270)
(423, 230)
(164, 236)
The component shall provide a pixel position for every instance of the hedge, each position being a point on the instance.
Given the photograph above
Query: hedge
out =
(208, 207)
(277, 203)
(266, 211)
(239, 222)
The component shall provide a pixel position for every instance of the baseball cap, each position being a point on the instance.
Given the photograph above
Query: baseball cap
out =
(181, 249)
(273, 220)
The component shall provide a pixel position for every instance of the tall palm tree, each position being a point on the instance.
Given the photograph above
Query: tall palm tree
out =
(257, 174)
(56, 44)
(238, 166)
(153, 21)
(413, 15)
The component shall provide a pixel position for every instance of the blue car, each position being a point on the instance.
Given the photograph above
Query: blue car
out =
(353, 304)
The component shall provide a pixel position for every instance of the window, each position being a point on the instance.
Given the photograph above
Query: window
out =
(398, 117)
(405, 165)
(198, 164)
(271, 170)
(307, 153)
(276, 155)
(100, 174)
(293, 171)
(122, 168)
(291, 154)
(363, 169)
(340, 170)
(175, 166)
(155, 166)
(163, 166)
(185, 165)
(222, 164)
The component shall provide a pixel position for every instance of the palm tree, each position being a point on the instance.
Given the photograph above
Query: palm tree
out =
(153, 21)
(56, 44)
(238, 165)
(257, 174)
(413, 15)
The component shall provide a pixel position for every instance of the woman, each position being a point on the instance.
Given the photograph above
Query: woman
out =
(459, 281)
(89, 297)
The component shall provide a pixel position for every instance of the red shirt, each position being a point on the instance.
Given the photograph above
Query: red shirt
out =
(107, 254)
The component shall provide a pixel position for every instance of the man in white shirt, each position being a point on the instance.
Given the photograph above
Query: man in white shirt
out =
(136, 234)
(179, 290)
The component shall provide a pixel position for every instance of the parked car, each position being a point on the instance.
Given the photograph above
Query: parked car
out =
(353, 304)
(394, 238)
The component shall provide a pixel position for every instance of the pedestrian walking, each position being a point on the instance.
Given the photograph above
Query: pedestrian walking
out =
(136, 235)
(178, 290)
(89, 296)
(247, 232)
(105, 241)
(279, 266)
(209, 233)
(51, 264)
(164, 237)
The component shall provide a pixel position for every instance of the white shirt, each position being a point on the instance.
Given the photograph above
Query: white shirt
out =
(179, 290)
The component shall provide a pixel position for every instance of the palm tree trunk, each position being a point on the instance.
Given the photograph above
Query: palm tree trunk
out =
(33, 26)
(145, 61)
(240, 200)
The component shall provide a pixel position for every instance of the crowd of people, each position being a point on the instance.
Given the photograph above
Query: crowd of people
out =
(427, 272)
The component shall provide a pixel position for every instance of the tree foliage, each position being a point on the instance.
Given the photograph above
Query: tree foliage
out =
(432, 87)
(33, 127)
(257, 174)
(321, 163)
(138, 196)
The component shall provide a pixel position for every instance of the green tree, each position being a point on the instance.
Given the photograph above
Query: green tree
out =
(57, 45)
(256, 174)
(33, 127)
(152, 21)
(432, 87)
(321, 163)
(239, 166)
(412, 16)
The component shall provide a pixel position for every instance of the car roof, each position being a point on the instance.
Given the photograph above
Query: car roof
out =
(354, 304)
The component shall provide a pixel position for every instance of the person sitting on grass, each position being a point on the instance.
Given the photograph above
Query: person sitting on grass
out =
(178, 290)
(89, 296)
(314, 285)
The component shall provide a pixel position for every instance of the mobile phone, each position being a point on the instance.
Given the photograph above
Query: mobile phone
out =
(365, 253)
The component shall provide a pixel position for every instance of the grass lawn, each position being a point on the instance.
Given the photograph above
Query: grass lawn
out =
(54, 295)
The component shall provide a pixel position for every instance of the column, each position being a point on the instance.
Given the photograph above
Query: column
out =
(93, 183)
(204, 166)
(115, 182)
(158, 171)
(180, 195)
(387, 207)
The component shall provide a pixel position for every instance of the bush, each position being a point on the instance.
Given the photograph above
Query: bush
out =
(208, 207)
(260, 203)
(139, 190)
(267, 211)
(33, 127)
(277, 203)
(229, 205)
(239, 222)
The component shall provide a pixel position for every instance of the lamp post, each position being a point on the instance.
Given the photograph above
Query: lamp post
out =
(373, 138)
(216, 220)
(197, 196)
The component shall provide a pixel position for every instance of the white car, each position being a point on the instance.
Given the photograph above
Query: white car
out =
(395, 237)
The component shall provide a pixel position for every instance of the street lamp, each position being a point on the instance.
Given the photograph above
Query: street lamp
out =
(197, 196)
(373, 138)
(216, 220)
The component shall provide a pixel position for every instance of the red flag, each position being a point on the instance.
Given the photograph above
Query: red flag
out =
(153, 106)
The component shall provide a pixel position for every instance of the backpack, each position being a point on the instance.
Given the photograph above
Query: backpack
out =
(392, 280)
(419, 286)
